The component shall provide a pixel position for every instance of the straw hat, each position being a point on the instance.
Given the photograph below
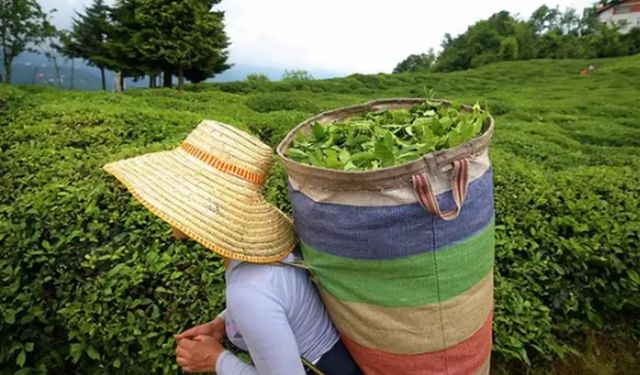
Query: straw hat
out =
(210, 189)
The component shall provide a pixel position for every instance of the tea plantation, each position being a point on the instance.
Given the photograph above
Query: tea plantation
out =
(91, 283)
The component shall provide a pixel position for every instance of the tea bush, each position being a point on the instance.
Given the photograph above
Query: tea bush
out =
(90, 282)
(279, 102)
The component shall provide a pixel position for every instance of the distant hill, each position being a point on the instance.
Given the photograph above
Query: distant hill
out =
(33, 68)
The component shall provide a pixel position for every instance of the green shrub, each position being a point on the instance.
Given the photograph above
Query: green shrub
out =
(296, 75)
(272, 127)
(564, 245)
(256, 77)
(237, 87)
(280, 101)
(10, 100)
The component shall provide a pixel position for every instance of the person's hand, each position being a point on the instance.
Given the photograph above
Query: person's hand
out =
(199, 354)
(214, 328)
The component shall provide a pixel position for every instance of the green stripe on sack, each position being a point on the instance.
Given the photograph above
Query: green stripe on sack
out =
(406, 282)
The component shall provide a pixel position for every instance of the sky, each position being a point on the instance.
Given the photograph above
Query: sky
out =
(342, 36)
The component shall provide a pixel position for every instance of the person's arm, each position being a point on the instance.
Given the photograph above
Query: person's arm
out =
(265, 330)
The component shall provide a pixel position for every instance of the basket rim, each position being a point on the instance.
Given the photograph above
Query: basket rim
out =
(434, 162)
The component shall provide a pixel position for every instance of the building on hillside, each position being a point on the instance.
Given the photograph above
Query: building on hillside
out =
(624, 13)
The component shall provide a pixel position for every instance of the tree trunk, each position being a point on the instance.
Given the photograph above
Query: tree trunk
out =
(56, 69)
(180, 79)
(117, 82)
(72, 71)
(167, 78)
(6, 60)
(152, 79)
(104, 83)
(122, 88)
(7, 72)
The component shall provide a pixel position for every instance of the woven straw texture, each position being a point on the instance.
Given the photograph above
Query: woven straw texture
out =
(410, 292)
(210, 189)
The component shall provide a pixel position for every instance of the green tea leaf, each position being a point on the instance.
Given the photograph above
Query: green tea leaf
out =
(76, 351)
(331, 159)
(93, 353)
(10, 316)
(318, 132)
(22, 358)
(344, 156)
(296, 154)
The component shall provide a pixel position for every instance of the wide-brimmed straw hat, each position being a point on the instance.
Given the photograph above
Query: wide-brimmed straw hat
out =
(210, 189)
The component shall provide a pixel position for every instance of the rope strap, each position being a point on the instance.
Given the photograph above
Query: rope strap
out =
(459, 187)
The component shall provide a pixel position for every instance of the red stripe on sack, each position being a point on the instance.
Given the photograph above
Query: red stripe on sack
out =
(464, 178)
(222, 165)
(431, 197)
(427, 195)
(418, 187)
(462, 359)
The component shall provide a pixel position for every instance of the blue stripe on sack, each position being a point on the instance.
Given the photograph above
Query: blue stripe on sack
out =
(387, 232)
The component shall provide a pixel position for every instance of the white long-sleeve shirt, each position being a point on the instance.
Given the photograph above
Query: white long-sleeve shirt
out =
(274, 312)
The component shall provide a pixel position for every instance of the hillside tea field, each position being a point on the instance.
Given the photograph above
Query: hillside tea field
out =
(90, 282)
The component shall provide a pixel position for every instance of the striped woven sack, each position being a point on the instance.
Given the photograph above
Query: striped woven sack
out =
(403, 256)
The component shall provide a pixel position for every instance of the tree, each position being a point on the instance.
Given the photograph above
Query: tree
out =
(123, 51)
(527, 41)
(51, 48)
(607, 42)
(416, 62)
(544, 19)
(182, 36)
(257, 77)
(454, 55)
(481, 43)
(296, 75)
(88, 37)
(23, 24)
(549, 33)
(589, 21)
(632, 40)
(509, 49)
(570, 22)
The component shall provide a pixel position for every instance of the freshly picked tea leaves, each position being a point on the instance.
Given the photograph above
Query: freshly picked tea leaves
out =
(387, 138)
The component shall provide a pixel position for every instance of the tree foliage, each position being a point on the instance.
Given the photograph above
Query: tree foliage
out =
(257, 77)
(509, 49)
(147, 37)
(296, 75)
(183, 35)
(548, 33)
(416, 62)
(87, 38)
(23, 24)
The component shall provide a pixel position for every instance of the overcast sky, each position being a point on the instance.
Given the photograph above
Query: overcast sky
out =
(344, 36)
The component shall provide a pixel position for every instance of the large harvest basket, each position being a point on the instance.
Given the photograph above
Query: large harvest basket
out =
(403, 255)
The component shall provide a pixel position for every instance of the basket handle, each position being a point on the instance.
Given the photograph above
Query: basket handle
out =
(459, 186)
